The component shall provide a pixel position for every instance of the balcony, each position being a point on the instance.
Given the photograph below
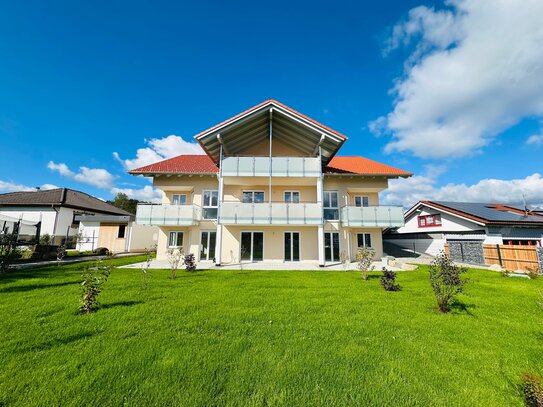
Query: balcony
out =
(168, 215)
(279, 213)
(372, 216)
(281, 167)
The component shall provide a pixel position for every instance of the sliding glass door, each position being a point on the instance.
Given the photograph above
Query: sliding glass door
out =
(331, 246)
(207, 245)
(292, 246)
(252, 246)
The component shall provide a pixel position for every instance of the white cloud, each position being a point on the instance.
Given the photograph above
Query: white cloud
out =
(407, 192)
(97, 177)
(535, 140)
(7, 186)
(476, 70)
(158, 150)
(147, 193)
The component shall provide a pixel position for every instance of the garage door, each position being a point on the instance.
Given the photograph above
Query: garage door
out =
(466, 251)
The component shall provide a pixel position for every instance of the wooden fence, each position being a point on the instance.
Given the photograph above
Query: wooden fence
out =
(512, 257)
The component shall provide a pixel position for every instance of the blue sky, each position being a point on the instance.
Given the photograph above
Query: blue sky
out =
(420, 85)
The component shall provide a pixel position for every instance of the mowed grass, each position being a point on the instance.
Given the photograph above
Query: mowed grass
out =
(265, 338)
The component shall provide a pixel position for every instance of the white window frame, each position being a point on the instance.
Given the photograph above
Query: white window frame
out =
(206, 206)
(179, 199)
(176, 246)
(330, 201)
(252, 232)
(292, 246)
(362, 198)
(252, 192)
(291, 192)
(364, 239)
(208, 245)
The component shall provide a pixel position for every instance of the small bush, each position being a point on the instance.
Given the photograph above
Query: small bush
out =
(174, 257)
(532, 273)
(532, 385)
(45, 239)
(364, 258)
(101, 251)
(92, 280)
(388, 280)
(446, 281)
(61, 253)
(190, 262)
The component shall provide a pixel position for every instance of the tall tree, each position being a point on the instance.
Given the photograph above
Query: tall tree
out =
(122, 201)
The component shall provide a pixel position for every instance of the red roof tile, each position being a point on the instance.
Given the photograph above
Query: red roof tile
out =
(204, 164)
(181, 163)
(361, 165)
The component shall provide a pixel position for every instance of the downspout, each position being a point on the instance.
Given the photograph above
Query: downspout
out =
(270, 165)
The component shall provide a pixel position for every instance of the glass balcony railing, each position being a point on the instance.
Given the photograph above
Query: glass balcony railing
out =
(279, 213)
(168, 215)
(281, 167)
(372, 216)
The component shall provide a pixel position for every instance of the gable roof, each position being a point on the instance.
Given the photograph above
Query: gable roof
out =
(361, 165)
(60, 197)
(286, 124)
(484, 213)
(202, 164)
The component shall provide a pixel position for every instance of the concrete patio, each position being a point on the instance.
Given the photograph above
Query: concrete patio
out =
(163, 264)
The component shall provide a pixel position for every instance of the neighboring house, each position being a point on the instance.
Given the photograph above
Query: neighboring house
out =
(58, 213)
(270, 189)
(429, 225)
(117, 233)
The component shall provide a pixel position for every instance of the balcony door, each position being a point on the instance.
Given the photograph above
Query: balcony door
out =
(207, 245)
(330, 205)
(252, 246)
(292, 246)
(331, 246)
(210, 204)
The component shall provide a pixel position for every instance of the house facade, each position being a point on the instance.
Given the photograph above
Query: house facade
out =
(466, 226)
(270, 188)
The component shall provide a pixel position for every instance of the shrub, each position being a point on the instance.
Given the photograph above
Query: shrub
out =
(101, 251)
(61, 253)
(45, 239)
(388, 280)
(190, 262)
(92, 280)
(446, 281)
(345, 260)
(532, 273)
(364, 258)
(532, 385)
(174, 257)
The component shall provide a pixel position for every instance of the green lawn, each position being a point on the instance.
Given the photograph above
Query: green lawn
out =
(265, 338)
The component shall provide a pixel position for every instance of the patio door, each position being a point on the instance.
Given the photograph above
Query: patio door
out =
(252, 246)
(331, 246)
(292, 246)
(207, 245)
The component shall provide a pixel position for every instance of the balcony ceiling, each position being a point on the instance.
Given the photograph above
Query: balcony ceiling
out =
(287, 126)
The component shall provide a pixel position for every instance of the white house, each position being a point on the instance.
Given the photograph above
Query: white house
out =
(59, 212)
(431, 224)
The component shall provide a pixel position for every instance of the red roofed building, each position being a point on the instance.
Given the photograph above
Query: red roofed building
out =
(270, 188)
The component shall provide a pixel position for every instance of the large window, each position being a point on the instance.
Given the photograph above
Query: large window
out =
(211, 203)
(363, 240)
(330, 205)
(175, 239)
(360, 200)
(292, 197)
(252, 196)
(179, 199)
(429, 220)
